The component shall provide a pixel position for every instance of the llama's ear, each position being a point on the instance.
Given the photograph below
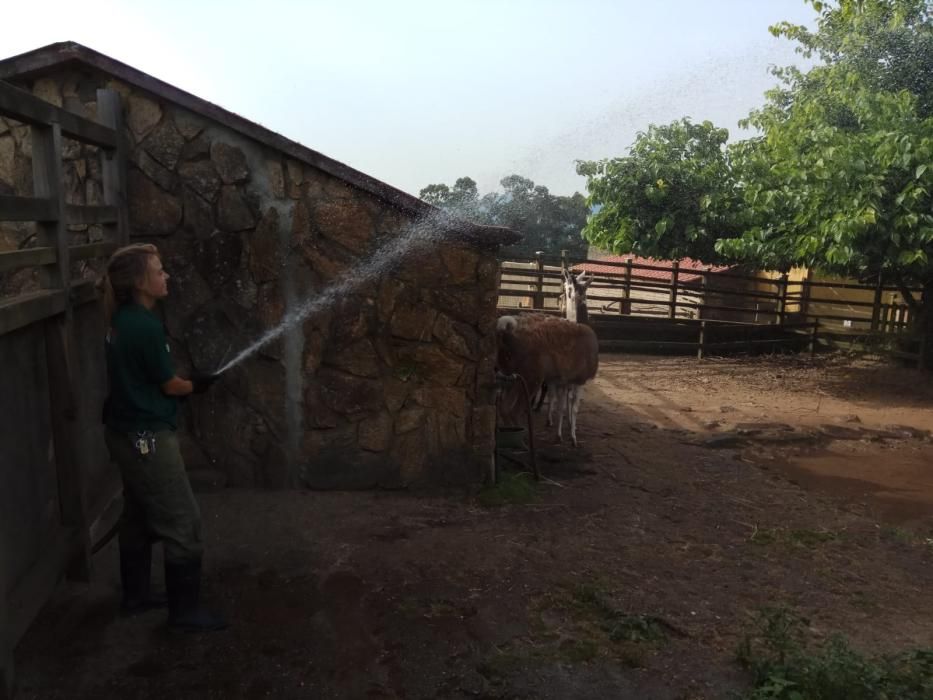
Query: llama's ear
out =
(589, 280)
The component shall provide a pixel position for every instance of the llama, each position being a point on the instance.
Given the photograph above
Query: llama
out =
(573, 303)
(575, 296)
(554, 350)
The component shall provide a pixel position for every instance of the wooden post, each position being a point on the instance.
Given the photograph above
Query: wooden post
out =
(805, 292)
(816, 329)
(782, 298)
(113, 166)
(59, 345)
(625, 306)
(876, 304)
(6, 646)
(538, 301)
(704, 281)
(675, 273)
(701, 341)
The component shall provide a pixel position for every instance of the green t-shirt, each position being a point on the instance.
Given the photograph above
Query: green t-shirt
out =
(138, 363)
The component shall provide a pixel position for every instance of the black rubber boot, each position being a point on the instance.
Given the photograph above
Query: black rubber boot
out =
(136, 578)
(183, 585)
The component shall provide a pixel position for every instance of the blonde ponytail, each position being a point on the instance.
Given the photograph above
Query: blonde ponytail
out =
(125, 269)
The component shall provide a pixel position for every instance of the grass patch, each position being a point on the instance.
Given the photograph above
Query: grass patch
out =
(799, 538)
(512, 487)
(787, 665)
(617, 625)
(892, 533)
(577, 625)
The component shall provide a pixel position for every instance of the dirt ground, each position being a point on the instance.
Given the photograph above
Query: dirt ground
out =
(702, 492)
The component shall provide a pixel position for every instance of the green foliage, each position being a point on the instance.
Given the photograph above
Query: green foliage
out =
(839, 179)
(671, 197)
(549, 223)
(617, 625)
(512, 487)
(785, 665)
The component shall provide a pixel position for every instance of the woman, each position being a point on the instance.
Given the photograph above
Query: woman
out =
(140, 415)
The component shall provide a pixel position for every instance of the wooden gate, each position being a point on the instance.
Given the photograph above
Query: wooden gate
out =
(55, 478)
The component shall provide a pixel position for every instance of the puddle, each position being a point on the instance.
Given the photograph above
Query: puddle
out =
(896, 484)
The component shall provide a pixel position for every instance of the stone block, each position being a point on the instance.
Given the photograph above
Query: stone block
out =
(164, 143)
(295, 173)
(152, 210)
(348, 394)
(430, 364)
(217, 257)
(197, 149)
(276, 177)
(233, 212)
(266, 259)
(359, 359)
(347, 222)
(375, 434)
(230, 162)
(201, 177)
(461, 264)
(142, 114)
(198, 217)
(413, 322)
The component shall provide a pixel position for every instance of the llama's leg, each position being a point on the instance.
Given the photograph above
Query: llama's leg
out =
(552, 404)
(539, 398)
(560, 398)
(575, 396)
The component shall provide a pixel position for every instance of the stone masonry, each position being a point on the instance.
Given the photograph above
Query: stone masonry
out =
(390, 387)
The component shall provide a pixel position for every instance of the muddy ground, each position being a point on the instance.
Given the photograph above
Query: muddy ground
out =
(702, 492)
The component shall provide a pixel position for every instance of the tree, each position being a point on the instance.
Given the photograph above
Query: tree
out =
(673, 196)
(839, 177)
(548, 222)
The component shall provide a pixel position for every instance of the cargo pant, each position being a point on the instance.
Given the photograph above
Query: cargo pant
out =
(158, 503)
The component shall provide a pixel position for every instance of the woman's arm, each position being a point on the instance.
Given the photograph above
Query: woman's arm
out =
(176, 386)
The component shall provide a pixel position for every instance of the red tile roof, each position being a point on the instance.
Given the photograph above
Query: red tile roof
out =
(684, 275)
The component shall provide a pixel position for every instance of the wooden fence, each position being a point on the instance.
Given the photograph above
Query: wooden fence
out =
(51, 441)
(838, 312)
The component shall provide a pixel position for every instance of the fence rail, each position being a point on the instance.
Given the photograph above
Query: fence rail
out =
(843, 311)
(51, 309)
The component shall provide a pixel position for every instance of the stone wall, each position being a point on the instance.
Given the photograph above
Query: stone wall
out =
(389, 387)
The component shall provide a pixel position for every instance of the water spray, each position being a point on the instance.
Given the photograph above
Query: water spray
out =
(435, 228)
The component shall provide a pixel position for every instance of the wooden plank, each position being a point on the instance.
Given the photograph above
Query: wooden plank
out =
(675, 272)
(47, 183)
(88, 251)
(7, 643)
(35, 588)
(27, 209)
(25, 107)
(29, 308)
(7, 670)
(113, 165)
(70, 455)
(27, 257)
(538, 299)
(625, 306)
(61, 356)
(80, 214)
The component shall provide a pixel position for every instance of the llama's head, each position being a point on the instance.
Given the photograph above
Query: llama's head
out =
(575, 295)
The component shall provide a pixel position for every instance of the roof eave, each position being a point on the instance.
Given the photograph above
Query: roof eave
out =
(54, 56)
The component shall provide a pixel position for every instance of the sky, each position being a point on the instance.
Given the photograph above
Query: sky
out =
(415, 92)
